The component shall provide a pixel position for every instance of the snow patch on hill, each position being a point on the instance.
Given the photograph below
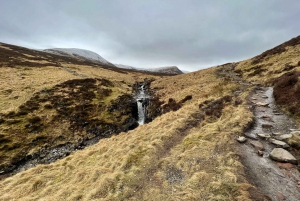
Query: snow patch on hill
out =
(78, 53)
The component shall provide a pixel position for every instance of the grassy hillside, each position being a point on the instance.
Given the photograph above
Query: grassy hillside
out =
(279, 67)
(48, 101)
(189, 153)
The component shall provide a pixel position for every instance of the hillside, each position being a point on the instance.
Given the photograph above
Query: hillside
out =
(187, 151)
(79, 53)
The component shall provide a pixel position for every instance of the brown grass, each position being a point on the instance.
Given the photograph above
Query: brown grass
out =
(180, 155)
(287, 92)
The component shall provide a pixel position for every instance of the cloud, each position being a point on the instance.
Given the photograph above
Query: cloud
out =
(191, 34)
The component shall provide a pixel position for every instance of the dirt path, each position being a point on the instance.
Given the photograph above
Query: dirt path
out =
(278, 181)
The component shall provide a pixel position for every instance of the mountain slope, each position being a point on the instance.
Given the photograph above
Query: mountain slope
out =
(78, 53)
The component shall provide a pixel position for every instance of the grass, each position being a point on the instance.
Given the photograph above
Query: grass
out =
(164, 160)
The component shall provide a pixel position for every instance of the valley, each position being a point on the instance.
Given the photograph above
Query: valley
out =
(73, 129)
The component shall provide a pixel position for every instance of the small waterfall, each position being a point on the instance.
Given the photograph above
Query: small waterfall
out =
(142, 100)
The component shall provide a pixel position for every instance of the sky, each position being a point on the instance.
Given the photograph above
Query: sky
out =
(190, 34)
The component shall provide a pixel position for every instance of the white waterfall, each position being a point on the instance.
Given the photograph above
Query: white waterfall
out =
(141, 105)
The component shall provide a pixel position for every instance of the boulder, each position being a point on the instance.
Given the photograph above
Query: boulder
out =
(257, 145)
(282, 155)
(241, 139)
(279, 143)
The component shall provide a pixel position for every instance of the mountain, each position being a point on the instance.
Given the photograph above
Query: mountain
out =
(126, 66)
(170, 70)
(78, 53)
(69, 129)
(94, 57)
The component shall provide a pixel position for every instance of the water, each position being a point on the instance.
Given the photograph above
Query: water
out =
(141, 105)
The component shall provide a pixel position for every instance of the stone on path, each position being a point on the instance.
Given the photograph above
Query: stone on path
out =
(259, 152)
(279, 143)
(295, 132)
(262, 104)
(241, 139)
(262, 135)
(280, 196)
(277, 134)
(286, 166)
(257, 145)
(266, 126)
(284, 136)
(267, 118)
(282, 155)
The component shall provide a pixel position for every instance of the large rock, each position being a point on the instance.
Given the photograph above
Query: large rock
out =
(257, 145)
(279, 143)
(282, 155)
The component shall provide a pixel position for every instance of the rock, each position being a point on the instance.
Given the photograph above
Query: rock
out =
(267, 118)
(266, 126)
(277, 113)
(251, 136)
(262, 104)
(286, 166)
(254, 98)
(277, 134)
(280, 196)
(241, 139)
(264, 96)
(262, 135)
(295, 132)
(258, 145)
(284, 136)
(282, 155)
(261, 153)
(279, 143)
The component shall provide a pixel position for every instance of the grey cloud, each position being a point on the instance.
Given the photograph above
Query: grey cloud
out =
(192, 34)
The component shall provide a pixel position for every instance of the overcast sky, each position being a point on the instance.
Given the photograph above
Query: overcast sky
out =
(191, 34)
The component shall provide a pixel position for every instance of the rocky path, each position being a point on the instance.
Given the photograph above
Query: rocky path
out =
(278, 178)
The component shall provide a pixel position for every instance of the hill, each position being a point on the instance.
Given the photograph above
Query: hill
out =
(170, 70)
(78, 53)
(187, 151)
